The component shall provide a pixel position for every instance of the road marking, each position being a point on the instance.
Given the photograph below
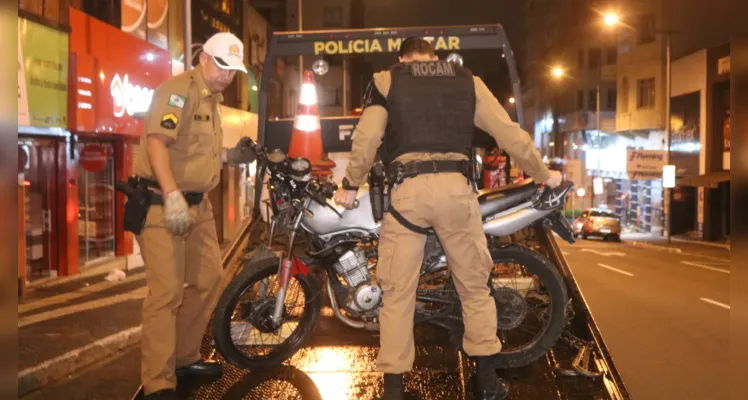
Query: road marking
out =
(620, 271)
(139, 293)
(97, 287)
(608, 254)
(693, 264)
(564, 253)
(716, 303)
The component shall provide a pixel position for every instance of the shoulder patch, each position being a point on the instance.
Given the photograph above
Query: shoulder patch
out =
(176, 100)
(169, 121)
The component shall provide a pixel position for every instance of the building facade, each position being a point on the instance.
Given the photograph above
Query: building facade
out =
(85, 71)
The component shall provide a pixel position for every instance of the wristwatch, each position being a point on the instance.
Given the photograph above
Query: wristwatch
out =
(347, 185)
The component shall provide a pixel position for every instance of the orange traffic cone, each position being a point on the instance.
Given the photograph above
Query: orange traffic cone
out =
(306, 137)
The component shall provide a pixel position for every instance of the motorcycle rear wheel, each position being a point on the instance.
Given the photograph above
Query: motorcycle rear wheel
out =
(553, 284)
(257, 311)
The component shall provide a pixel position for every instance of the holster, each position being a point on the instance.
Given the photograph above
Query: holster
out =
(139, 200)
(376, 191)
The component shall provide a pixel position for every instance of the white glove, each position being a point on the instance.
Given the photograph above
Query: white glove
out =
(554, 180)
(177, 212)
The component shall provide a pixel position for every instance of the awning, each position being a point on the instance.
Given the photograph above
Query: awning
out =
(706, 180)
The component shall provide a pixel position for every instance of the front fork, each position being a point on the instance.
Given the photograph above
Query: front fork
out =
(284, 271)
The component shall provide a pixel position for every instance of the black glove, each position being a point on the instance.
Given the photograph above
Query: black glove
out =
(242, 153)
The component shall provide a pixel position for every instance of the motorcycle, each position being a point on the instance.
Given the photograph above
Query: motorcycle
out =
(259, 323)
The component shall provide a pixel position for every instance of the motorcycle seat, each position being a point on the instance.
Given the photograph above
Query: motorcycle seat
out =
(498, 199)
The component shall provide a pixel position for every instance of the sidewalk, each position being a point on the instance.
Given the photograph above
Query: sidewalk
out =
(66, 326)
(679, 245)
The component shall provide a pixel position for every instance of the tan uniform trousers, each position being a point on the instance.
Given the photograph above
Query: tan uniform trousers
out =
(447, 203)
(184, 276)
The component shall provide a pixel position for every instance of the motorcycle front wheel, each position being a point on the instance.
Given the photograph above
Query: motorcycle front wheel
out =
(243, 331)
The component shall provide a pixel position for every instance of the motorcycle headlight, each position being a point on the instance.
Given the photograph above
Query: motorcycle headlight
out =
(276, 156)
(300, 167)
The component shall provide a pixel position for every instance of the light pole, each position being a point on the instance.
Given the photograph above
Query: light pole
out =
(599, 145)
(557, 73)
(668, 132)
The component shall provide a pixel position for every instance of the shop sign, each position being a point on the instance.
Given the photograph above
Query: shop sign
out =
(112, 87)
(93, 158)
(157, 27)
(645, 164)
(129, 98)
(42, 75)
(134, 17)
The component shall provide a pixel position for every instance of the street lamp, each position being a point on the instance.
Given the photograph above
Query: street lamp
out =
(558, 72)
(612, 19)
(511, 100)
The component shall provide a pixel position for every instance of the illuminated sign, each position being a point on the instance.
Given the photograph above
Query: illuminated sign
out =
(668, 176)
(129, 98)
(359, 46)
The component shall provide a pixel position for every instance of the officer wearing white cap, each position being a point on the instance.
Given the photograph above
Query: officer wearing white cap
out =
(180, 162)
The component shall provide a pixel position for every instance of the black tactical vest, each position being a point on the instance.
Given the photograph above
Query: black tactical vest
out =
(431, 106)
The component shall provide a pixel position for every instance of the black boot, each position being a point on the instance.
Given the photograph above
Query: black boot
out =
(487, 385)
(393, 387)
(208, 369)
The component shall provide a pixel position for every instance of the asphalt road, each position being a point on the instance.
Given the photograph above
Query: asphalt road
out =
(664, 316)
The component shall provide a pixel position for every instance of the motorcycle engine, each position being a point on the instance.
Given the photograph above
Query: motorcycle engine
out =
(367, 298)
(354, 268)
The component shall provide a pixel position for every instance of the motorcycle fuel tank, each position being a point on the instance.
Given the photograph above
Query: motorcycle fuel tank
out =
(325, 221)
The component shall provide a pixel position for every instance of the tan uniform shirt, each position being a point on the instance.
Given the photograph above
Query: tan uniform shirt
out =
(184, 109)
(489, 116)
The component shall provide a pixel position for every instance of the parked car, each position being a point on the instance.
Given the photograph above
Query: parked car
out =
(598, 222)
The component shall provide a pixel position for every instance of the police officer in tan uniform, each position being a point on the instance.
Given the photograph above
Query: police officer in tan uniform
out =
(422, 113)
(180, 163)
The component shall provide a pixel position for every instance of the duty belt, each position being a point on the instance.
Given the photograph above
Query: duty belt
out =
(192, 198)
(397, 172)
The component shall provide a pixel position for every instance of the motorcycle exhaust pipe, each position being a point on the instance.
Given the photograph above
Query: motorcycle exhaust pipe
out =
(336, 309)
(507, 224)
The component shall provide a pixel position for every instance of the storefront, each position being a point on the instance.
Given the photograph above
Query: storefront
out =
(43, 150)
(113, 75)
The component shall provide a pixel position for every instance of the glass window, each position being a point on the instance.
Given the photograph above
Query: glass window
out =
(592, 100)
(580, 100)
(95, 200)
(40, 201)
(645, 93)
(612, 95)
(580, 58)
